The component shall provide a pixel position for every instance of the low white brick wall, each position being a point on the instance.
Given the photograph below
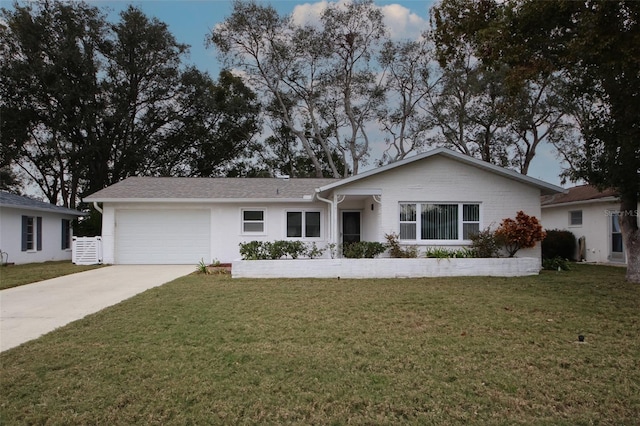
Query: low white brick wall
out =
(385, 268)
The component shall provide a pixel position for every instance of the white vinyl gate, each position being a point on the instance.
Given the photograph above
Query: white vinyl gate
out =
(162, 236)
(86, 250)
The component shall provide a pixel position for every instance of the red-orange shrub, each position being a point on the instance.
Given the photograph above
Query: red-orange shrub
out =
(523, 232)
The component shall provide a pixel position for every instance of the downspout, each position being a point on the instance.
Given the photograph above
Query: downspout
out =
(331, 219)
(95, 206)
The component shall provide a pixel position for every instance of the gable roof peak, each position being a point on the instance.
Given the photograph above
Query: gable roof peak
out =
(545, 187)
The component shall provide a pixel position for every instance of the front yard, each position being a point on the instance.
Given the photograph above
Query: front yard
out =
(207, 349)
(16, 275)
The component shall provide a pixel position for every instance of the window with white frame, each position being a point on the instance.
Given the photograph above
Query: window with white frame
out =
(303, 224)
(575, 218)
(470, 220)
(31, 233)
(253, 221)
(408, 223)
(439, 222)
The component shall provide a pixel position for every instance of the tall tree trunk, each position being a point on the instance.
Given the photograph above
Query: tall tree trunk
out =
(632, 245)
(631, 237)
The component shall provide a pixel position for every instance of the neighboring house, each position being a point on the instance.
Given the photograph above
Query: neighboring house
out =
(34, 231)
(589, 213)
(437, 198)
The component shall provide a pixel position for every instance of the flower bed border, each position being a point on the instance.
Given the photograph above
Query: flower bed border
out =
(386, 268)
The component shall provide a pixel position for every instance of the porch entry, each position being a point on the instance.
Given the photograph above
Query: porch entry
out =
(350, 227)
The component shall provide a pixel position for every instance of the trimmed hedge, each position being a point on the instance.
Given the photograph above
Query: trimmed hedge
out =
(559, 243)
(363, 249)
(262, 250)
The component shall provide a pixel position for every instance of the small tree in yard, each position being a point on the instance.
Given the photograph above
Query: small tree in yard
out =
(485, 243)
(523, 232)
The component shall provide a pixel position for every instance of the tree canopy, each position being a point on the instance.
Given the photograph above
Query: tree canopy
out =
(335, 82)
(126, 104)
(85, 102)
(317, 80)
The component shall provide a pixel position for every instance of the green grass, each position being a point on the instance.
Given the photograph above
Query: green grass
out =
(207, 349)
(15, 275)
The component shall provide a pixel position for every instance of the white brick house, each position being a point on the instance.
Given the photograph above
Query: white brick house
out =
(433, 199)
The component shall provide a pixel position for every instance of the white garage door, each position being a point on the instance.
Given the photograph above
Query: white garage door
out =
(162, 237)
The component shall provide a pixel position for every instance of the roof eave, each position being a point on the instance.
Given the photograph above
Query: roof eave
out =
(305, 199)
(68, 212)
(582, 202)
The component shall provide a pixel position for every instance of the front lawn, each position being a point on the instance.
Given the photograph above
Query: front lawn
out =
(207, 349)
(15, 275)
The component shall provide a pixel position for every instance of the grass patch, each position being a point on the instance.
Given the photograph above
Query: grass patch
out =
(15, 275)
(209, 349)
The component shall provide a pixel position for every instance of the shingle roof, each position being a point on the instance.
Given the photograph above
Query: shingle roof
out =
(273, 189)
(17, 201)
(171, 188)
(577, 194)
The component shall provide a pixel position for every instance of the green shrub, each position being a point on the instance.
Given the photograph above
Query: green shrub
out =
(363, 249)
(556, 264)
(283, 248)
(485, 244)
(438, 253)
(201, 267)
(276, 250)
(313, 251)
(443, 253)
(295, 249)
(464, 253)
(253, 250)
(559, 243)
(396, 250)
(267, 250)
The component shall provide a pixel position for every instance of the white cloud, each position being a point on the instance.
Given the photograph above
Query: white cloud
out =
(401, 22)
(308, 13)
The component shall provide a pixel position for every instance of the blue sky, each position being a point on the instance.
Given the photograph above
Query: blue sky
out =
(191, 21)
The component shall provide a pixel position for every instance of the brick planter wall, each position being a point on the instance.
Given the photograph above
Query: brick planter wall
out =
(385, 268)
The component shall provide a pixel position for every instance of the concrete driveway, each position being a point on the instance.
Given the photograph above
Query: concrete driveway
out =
(29, 311)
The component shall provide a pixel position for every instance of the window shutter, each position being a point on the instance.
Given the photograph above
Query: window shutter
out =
(63, 238)
(39, 232)
(24, 233)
